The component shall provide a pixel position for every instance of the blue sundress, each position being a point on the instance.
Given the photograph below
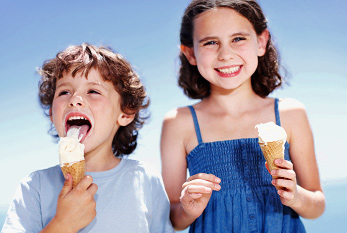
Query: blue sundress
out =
(247, 201)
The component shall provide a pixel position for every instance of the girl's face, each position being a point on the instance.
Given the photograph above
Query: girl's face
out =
(92, 104)
(225, 48)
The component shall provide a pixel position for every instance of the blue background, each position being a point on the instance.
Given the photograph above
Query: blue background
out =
(311, 36)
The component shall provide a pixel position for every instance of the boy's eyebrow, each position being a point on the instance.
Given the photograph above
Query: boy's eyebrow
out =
(97, 84)
(89, 83)
(216, 37)
(62, 84)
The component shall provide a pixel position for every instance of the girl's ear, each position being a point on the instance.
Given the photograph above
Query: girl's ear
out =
(189, 53)
(262, 42)
(125, 119)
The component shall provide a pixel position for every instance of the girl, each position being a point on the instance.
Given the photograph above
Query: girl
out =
(229, 62)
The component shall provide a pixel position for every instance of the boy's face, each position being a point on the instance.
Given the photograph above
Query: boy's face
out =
(92, 104)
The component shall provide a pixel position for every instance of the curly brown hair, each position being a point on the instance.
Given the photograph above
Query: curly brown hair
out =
(264, 80)
(112, 68)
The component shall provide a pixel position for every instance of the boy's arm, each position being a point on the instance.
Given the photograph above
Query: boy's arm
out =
(160, 207)
(24, 213)
(75, 207)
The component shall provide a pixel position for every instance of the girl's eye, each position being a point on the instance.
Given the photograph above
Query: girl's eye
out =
(237, 39)
(212, 42)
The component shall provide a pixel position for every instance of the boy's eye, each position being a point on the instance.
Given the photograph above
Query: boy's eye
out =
(93, 92)
(63, 93)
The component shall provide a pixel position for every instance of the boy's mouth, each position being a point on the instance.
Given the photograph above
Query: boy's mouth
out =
(77, 120)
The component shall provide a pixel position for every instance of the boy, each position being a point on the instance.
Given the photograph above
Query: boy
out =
(96, 90)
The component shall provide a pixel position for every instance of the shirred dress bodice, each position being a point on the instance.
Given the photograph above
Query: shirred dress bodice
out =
(247, 201)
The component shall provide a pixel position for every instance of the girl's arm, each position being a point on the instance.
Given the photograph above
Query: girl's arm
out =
(188, 198)
(303, 192)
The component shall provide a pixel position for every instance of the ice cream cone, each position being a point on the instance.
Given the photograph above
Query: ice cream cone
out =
(272, 151)
(77, 171)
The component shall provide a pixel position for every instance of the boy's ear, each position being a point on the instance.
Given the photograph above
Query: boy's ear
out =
(189, 53)
(263, 38)
(125, 119)
(50, 114)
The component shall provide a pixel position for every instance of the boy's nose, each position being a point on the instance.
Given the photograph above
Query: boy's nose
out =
(76, 101)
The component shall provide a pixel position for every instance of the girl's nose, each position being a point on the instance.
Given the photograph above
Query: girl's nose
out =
(225, 53)
(76, 100)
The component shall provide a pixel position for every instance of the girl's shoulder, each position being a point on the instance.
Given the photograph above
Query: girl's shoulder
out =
(178, 115)
(178, 123)
(293, 116)
(289, 104)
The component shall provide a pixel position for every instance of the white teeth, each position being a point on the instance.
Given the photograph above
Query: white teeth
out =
(77, 118)
(230, 70)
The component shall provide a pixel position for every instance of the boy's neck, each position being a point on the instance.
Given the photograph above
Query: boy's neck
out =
(97, 162)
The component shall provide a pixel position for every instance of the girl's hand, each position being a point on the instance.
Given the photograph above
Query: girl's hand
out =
(76, 207)
(284, 179)
(196, 193)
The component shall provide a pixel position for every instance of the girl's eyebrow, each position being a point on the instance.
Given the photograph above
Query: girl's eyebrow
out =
(208, 38)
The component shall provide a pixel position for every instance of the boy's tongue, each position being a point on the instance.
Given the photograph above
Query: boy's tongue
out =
(77, 131)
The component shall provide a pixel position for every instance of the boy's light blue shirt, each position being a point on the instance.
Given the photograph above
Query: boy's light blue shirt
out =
(129, 199)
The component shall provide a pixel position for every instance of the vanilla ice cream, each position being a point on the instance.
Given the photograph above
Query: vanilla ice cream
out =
(270, 132)
(271, 139)
(70, 148)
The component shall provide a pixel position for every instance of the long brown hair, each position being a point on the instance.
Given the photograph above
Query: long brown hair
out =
(265, 79)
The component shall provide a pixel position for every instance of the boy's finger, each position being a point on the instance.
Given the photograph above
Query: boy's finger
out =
(85, 183)
(67, 185)
(92, 189)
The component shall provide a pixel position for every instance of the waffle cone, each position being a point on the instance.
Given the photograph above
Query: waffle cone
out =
(77, 171)
(272, 151)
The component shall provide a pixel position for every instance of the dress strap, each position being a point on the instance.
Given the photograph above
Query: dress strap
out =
(277, 113)
(196, 124)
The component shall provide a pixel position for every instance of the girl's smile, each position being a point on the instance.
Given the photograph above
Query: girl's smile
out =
(226, 55)
(227, 72)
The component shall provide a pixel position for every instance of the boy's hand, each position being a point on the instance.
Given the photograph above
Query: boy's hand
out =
(76, 207)
(196, 193)
(285, 182)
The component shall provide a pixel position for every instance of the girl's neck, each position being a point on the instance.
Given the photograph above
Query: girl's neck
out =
(233, 101)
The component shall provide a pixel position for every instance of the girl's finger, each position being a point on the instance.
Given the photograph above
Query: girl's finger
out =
(286, 194)
(282, 163)
(283, 173)
(287, 184)
(204, 176)
(191, 189)
(205, 183)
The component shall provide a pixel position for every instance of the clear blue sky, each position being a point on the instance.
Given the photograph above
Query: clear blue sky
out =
(311, 36)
